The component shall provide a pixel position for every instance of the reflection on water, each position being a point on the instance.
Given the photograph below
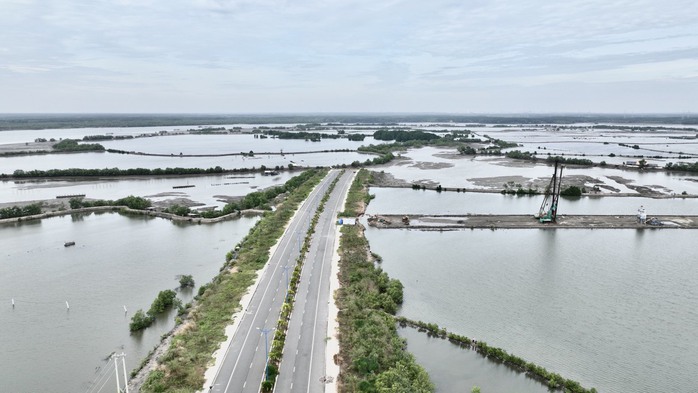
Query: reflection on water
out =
(117, 261)
(612, 309)
(455, 369)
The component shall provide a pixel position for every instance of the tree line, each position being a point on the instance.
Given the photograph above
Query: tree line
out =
(73, 145)
(80, 172)
(20, 211)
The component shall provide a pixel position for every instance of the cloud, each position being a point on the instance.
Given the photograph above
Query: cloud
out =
(354, 48)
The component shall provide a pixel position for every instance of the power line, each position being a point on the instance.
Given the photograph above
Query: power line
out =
(103, 372)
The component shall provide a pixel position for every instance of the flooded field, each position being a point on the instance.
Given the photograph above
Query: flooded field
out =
(612, 309)
(117, 261)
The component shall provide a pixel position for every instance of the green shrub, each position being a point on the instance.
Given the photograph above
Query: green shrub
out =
(140, 320)
(186, 281)
(571, 191)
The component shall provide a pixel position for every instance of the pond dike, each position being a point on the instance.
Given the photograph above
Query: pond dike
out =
(496, 221)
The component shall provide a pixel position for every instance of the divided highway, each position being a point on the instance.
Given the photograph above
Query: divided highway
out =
(243, 366)
(303, 363)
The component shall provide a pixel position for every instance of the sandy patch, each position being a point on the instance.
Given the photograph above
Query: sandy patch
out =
(27, 147)
(432, 165)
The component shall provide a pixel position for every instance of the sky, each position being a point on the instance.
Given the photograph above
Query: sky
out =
(312, 56)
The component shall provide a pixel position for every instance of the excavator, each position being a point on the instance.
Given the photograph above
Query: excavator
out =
(548, 209)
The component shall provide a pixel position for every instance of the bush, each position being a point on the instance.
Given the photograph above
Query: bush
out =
(140, 321)
(164, 300)
(572, 191)
(186, 281)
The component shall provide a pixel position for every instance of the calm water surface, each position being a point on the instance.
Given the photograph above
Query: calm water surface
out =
(117, 261)
(207, 189)
(453, 369)
(125, 161)
(612, 309)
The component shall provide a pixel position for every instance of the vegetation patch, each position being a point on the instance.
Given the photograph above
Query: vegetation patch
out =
(73, 145)
(165, 299)
(372, 355)
(571, 191)
(78, 172)
(552, 380)
(183, 365)
(132, 202)
(20, 211)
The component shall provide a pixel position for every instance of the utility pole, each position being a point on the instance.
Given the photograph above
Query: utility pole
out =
(299, 242)
(286, 271)
(266, 332)
(116, 368)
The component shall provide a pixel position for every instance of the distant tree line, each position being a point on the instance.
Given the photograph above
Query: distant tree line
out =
(130, 201)
(313, 136)
(73, 145)
(521, 155)
(79, 172)
(571, 161)
(43, 121)
(682, 166)
(106, 137)
(403, 136)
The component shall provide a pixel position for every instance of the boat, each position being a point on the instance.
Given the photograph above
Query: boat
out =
(185, 186)
(68, 244)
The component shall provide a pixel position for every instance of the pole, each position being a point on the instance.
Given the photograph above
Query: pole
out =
(116, 368)
(286, 271)
(123, 364)
(266, 332)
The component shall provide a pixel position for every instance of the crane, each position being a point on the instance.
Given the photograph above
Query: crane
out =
(548, 209)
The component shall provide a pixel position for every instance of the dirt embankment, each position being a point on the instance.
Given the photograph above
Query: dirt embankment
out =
(489, 221)
(496, 184)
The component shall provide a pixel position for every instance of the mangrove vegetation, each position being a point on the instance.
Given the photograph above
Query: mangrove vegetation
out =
(373, 357)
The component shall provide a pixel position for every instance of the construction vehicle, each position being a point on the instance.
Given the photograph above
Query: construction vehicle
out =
(548, 209)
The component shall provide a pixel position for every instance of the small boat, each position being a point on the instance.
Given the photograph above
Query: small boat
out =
(68, 244)
(185, 186)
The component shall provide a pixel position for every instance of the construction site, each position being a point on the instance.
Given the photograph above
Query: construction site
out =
(547, 217)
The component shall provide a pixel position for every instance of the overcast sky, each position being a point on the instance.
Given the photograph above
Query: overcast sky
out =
(252, 56)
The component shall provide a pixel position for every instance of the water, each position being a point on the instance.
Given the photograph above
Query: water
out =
(454, 369)
(117, 261)
(231, 143)
(125, 161)
(408, 201)
(209, 190)
(612, 309)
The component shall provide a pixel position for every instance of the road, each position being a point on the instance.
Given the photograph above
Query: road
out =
(243, 367)
(302, 366)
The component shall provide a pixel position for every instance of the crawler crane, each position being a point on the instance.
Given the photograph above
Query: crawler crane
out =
(548, 209)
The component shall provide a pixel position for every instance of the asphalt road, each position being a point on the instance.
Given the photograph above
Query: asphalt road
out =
(302, 367)
(243, 367)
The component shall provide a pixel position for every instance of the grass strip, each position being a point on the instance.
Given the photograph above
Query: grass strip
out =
(182, 367)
